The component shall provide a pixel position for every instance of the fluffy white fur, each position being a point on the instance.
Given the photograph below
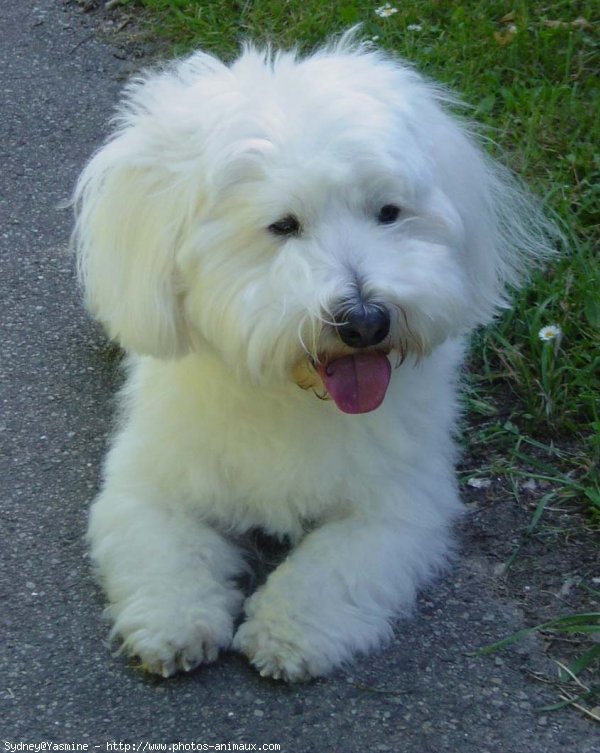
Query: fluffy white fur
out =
(220, 315)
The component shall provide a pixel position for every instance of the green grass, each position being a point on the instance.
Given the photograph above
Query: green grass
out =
(533, 91)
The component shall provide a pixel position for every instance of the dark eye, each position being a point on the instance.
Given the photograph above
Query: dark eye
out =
(288, 225)
(387, 214)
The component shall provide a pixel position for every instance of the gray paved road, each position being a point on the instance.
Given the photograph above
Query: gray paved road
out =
(58, 681)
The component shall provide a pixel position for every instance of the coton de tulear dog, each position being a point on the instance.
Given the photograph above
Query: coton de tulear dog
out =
(293, 251)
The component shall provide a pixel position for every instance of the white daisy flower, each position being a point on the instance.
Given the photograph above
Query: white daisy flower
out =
(551, 332)
(414, 27)
(386, 11)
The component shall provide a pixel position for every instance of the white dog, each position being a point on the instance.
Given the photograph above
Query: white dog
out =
(293, 251)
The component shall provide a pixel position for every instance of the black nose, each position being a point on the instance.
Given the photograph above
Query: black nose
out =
(363, 325)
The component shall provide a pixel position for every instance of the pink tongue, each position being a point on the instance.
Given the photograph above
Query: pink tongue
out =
(357, 383)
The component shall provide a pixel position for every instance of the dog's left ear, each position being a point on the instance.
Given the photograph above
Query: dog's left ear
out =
(129, 223)
(506, 232)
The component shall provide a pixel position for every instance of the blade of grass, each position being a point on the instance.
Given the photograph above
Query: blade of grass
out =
(587, 622)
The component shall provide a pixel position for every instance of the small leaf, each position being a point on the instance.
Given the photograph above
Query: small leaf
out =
(506, 36)
(578, 23)
(539, 510)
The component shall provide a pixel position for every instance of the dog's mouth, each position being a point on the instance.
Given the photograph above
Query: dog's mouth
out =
(357, 383)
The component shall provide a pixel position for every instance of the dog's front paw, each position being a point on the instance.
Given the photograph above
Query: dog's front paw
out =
(170, 637)
(273, 650)
(282, 643)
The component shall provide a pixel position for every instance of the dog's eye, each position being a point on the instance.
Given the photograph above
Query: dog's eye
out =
(387, 214)
(288, 225)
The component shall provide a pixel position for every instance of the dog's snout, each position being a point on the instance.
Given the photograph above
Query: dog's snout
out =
(363, 325)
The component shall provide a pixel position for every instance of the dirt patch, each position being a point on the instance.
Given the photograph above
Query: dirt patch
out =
(548, 573)
(126, 30)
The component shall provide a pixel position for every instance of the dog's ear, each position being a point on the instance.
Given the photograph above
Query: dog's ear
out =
(129, 221)
(506, 232)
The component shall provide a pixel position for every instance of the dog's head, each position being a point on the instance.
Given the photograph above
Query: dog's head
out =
(304, 218)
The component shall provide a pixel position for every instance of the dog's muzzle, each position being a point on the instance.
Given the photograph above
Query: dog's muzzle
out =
(357, 376)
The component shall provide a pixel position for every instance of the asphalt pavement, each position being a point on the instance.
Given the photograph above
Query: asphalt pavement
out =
(59, 681)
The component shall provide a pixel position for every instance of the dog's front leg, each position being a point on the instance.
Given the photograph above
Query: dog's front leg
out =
(336, 593)
(169, 579)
